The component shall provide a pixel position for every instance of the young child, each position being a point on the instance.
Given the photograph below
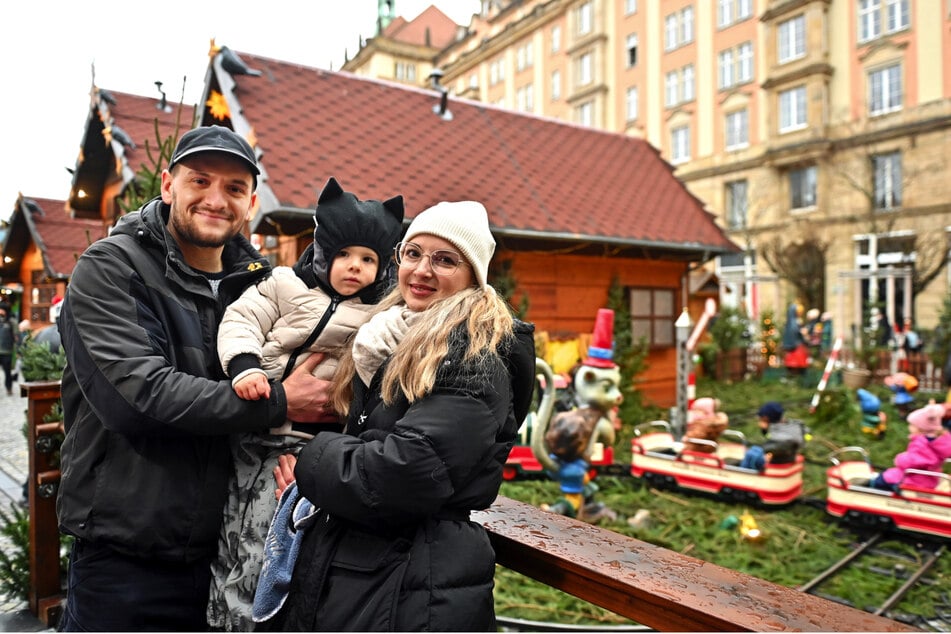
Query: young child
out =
(313, 307)
(929, 445)
(785, 438)
(704, 422)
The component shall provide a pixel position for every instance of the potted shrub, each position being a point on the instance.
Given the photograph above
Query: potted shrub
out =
(724, 357)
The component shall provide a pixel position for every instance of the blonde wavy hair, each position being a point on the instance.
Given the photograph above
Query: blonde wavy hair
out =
(413, 366)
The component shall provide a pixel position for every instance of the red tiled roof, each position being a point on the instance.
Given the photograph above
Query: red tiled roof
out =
(60, 238)
(136, 115)
(440, 27)
(534, 175)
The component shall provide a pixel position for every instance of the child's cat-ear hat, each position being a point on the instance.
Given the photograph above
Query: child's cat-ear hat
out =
(466, 225)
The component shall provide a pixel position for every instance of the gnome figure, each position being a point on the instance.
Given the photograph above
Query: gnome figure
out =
(565, 447)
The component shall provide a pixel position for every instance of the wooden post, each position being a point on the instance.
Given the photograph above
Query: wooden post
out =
(45, 593)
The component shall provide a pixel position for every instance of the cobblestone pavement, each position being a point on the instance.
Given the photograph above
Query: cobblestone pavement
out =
(14, 469)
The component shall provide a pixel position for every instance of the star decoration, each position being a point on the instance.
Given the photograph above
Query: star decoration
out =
(217, 106)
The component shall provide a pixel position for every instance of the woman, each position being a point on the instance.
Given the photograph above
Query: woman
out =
(442, 375)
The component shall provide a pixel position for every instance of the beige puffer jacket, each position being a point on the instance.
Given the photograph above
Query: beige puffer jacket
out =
(272, 319)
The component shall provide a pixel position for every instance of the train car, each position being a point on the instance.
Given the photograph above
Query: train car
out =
(910, 509)
(660, 459)
(523, 465)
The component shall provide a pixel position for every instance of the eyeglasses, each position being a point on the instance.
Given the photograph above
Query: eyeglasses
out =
(409, 254)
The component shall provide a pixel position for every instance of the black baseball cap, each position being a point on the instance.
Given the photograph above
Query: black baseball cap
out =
(215, 138)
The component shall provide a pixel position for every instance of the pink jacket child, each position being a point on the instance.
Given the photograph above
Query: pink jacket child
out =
(929, 446)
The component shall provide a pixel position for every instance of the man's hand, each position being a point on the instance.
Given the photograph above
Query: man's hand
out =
(284, 473)
(308, 398)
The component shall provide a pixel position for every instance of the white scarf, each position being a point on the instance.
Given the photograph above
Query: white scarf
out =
(376, 340)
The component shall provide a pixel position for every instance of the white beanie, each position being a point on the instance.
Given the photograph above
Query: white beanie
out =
(466, 225)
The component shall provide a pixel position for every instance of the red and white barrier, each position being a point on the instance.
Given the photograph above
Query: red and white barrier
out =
(825, 375)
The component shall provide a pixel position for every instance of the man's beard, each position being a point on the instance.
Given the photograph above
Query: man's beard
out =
(187, 230)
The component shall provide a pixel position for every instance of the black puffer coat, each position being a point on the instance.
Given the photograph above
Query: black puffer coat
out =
(145, 462)
(394, 549)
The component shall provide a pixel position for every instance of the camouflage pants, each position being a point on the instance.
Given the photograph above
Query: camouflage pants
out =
(247, 517)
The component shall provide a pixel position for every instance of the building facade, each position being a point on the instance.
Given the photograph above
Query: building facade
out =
(813, 129)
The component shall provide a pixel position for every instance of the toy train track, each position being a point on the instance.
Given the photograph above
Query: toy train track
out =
(911, 570)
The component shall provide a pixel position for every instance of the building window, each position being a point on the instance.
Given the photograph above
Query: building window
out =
(792, 109)
(686, 25)
(678, 29)
(670, 32)
(724, 13)
(41, 298)
(687, 84)
(555, 38)
(802, 187)
(405, 72)
(584, 114)
(680, 145)
(555, 85)
(744, 72)
(653, 313)
(585, 17)
(736, 65)
(737, 130)
(873, 13)
(672, 89)
(679, 86)
(726, 68)
(792, 39)
(884, 90)
(631, 103)
(523, 57)
(732, 11)
(496, 72)
(524, 99)
(630, 7)
(632, 50)
(585, 66)
(736, 204)
(887, 174)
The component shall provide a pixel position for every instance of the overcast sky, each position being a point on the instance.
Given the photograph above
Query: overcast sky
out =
(49, 50)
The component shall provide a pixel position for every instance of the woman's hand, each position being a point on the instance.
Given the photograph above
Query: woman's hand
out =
(284, 473)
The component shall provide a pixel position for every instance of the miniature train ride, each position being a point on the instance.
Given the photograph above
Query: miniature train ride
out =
(909, 509)
(663, 462)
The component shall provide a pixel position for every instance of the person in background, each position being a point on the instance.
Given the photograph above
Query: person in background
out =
(8, 346)
(929, 445)
(796, 355)
(148, 410)
(785, 439)
(314, 307)
(442, 377)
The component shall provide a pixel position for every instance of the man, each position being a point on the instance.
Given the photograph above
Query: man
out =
(145, 461)
(8, 340)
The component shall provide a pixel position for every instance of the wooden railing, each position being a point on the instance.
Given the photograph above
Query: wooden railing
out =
(45, 592)
(654, 586)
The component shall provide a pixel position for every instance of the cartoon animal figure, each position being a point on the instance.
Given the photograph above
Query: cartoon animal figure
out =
(564, 445)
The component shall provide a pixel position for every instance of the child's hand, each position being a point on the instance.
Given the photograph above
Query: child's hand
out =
(253, 387)
(284, 473)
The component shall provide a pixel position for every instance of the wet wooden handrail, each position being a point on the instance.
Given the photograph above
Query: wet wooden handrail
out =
(655, 586)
